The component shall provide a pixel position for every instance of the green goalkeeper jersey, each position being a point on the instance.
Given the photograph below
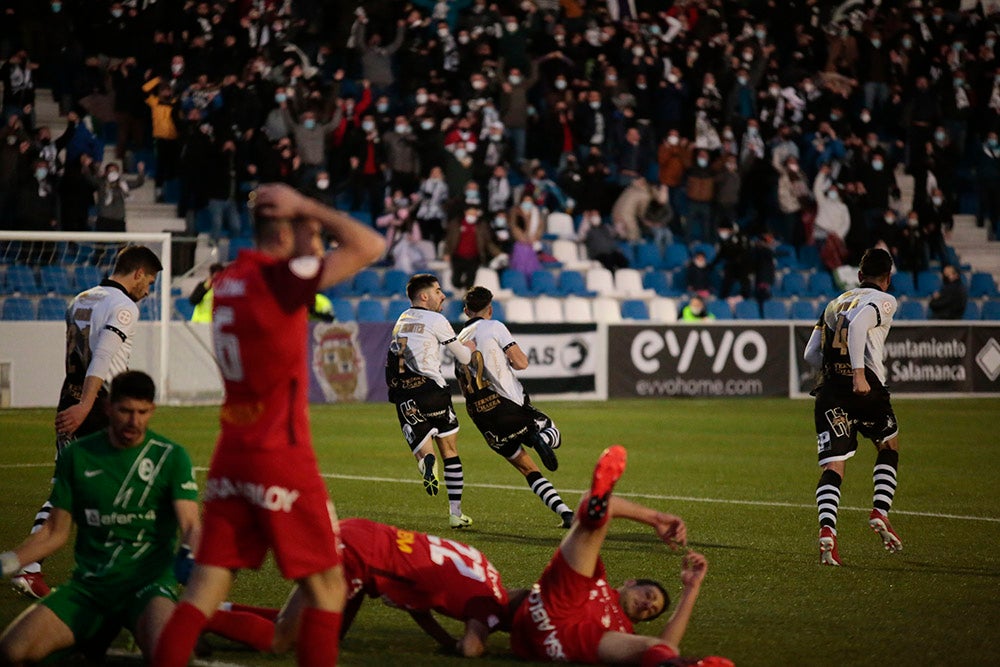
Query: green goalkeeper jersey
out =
(122, 503)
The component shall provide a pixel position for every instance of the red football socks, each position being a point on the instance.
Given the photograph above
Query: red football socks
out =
(179, 636)
(319, 638)
(243, 627)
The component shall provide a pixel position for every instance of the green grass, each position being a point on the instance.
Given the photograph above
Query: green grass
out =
(742, 474)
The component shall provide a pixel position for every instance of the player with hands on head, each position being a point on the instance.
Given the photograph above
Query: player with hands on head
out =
(847, 346)
(264, 491)
(499, 406)
(420, 393)
(571, 613)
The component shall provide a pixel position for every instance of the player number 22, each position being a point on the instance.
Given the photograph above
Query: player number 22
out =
(467, 560)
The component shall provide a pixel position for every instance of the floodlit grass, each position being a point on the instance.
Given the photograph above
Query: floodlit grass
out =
(741, 472)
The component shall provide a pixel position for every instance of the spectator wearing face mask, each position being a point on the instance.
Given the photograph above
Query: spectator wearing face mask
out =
(112, 191)
(433, 196)
(162, 104)
(310, 140)
(879, 182)
(700, 198)
(527, 226)
(402, 156)
(466, 247)
(948, 303)
(514, 106)
(913, 251)
(601, 241)
(367, 166)
(987, 177)
(698, 276)
(674, 158)
(793, 195)
(832, 216)
(695, 311)
(935, 221)
(376, 57)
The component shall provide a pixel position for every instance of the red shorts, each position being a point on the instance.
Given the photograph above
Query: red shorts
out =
(260, 500)
(563, 618)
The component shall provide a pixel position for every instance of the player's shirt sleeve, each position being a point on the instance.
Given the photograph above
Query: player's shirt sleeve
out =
(442, 330)
(62, 482)
(294, 282)
(182, 481)
(118, 328)
(503, 336)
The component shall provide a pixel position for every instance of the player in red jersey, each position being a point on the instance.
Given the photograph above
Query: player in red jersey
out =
(263, 489)
(418, 573)
(572, 613)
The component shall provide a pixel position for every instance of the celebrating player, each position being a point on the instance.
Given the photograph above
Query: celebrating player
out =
(100, 325)
(264, 489)
(420, 393)
(847, 345)
(573, 615)
(128, 490)
(498, 404)
(419, 573)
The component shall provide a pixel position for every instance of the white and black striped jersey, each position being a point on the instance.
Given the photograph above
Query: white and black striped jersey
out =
(493, 339)
(102, 316)
(835, 325)
(418, 336)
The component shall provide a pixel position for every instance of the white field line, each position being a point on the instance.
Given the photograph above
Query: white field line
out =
(648, 496)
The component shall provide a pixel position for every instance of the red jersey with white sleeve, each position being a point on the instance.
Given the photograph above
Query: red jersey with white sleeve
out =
(259, 325)
(565, 615)
(421, 572)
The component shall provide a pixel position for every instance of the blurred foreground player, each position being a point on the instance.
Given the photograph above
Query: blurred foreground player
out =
(572, 615)
(263, 489)
(847, 346)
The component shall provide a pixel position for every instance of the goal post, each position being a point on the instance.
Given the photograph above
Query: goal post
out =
(70, 249)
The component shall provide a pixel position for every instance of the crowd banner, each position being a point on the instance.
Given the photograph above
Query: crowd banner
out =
(927, 358)
(699, 360)
(347, 360)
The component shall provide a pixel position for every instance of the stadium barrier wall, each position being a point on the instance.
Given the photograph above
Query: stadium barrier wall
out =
(577, 362)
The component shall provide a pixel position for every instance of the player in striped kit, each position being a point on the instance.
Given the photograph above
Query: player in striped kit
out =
(420, 393)
(100, 328)
(852, 397)
(498, 404)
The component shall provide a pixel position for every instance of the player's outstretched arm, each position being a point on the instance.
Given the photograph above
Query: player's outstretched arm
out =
(49, 539)
(430, 625)
(473, 642)
(693, 569)
(670, 528)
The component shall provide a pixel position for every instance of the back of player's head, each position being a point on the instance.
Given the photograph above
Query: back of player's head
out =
(134, 257)
(666, 597)
(132, 384)
(876, 263)
(418, 283)
(477, 298)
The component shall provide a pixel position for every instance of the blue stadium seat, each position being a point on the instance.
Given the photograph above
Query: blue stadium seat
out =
(972, 310)
(630, 251)
(911, 309)
(18, 308)
(55, 279)
(543, 282)
(982, 284)
(394, 283)
(86, 276)
(149, 308)
(647, 256)
(902, 284)
(821, 284)
(367, 282)
(396, 308)
(792, 283)
(453, 310)
(343, 309)
(659, 282)
(991, 310)
(804, 309)
(720, 308)
(747, 310)
(370, 310)
(515, 281)
(498, 311)
(182, 309)
(237, 244)
(362, 216)
(52, 308)
(635, 309)
(775, 309)
(341, 290)
(676, 255)
(573, 283)
(21, 278)
(785, 256)
(928, 282)
(809, 257)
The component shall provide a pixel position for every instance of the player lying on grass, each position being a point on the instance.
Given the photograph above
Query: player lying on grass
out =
(572, 614)
(499, 406)
(415, 572)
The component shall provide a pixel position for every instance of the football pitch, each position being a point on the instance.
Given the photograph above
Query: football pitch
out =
(742, 473)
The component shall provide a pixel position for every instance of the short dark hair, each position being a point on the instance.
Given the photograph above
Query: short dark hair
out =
(132, 384)
(418, 283)
(876, 263)
(134, 257)
(663, 591)
(477, 298)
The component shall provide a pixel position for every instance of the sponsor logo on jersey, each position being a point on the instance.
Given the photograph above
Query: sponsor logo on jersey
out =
(230, 287)
(95, 518)
(887, 307)
(190, 486)
(92, 473)
(272, 498)
(543, 624)
(124, 317)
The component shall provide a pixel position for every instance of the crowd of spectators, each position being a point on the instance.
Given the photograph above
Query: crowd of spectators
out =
(466, 122)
